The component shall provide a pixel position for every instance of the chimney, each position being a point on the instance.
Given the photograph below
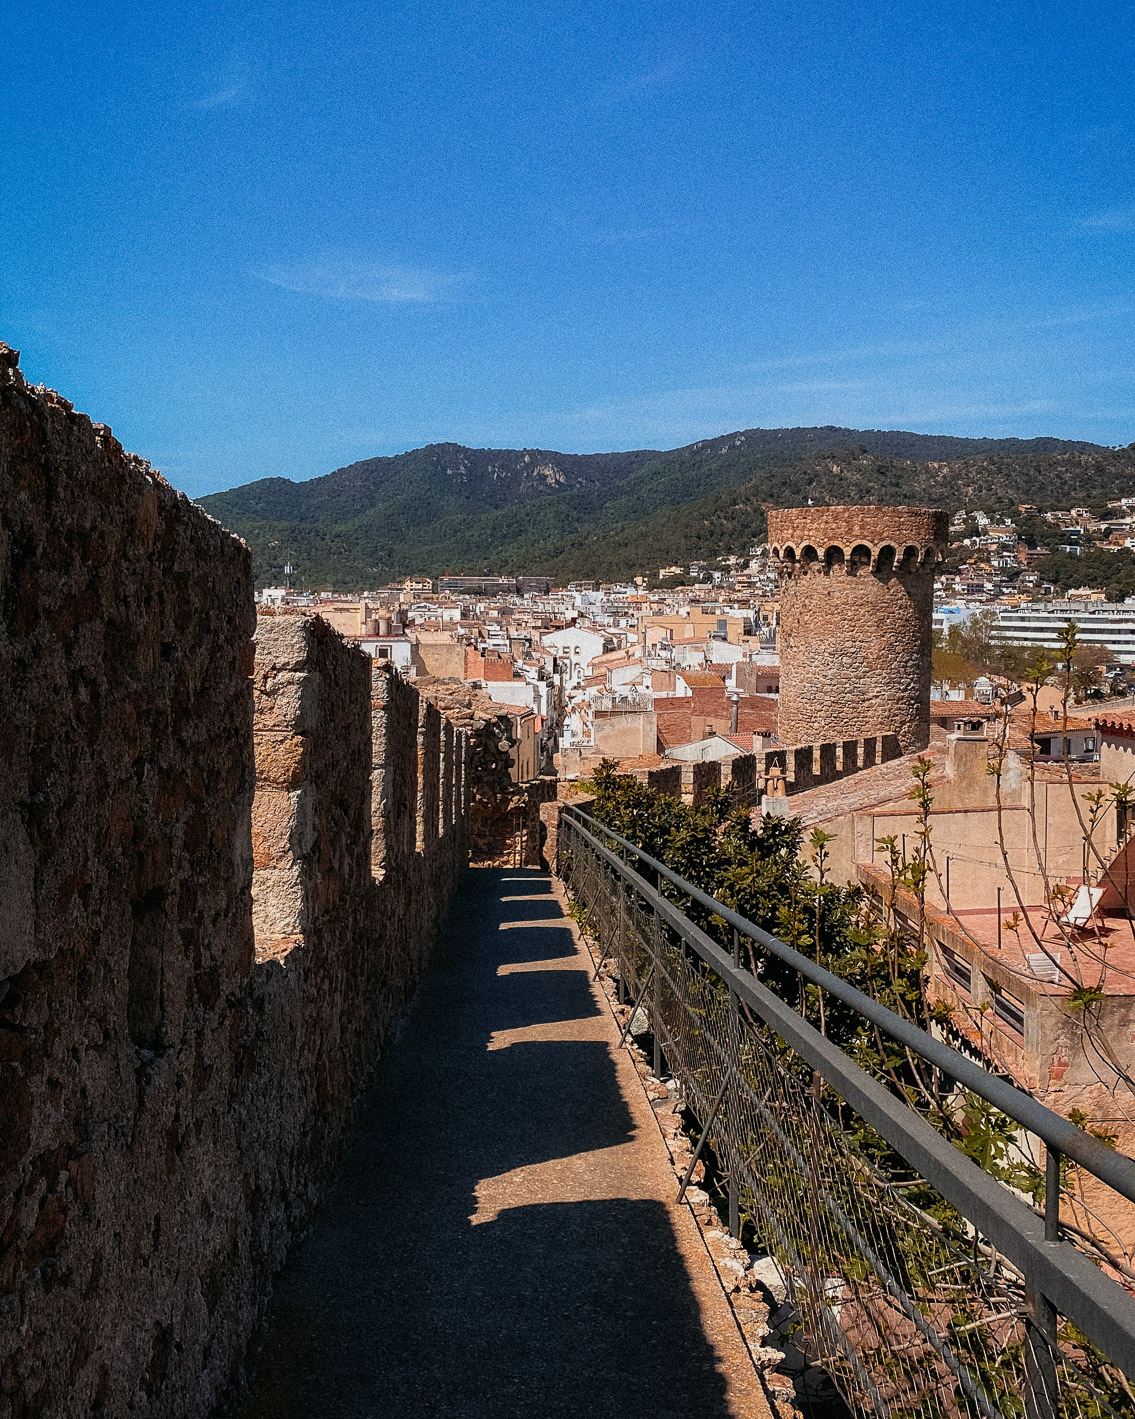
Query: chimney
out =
(735, 713)
(967, 755)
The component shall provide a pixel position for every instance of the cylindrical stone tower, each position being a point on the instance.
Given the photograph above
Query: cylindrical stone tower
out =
(856, 604)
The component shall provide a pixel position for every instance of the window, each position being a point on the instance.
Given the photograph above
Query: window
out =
(956, 967)
(1007, 1007)
(382, 652)
(1089, 744)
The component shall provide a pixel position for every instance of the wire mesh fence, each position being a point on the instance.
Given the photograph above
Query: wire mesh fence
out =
(900, 1292)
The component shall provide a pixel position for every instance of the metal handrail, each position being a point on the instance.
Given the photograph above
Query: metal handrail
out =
(1111, 1167)
(1055, 1272)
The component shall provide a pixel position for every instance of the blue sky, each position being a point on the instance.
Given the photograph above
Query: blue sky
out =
(274, 239)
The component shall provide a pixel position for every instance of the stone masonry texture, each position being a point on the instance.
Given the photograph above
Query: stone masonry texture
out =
(503, 817)
(856, 603)
(218, 894)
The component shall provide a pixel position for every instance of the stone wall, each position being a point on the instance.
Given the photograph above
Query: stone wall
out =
(207, 930)
(550, 814)
(503, 817)
(665, 777)
(856, 600)
(743, 777)
(698, 777)
(793, 769)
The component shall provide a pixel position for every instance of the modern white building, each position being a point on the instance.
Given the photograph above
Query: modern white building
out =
(951, 614)
(1100, 623)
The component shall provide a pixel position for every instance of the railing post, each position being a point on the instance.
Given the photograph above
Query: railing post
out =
(734, 1061)
(620, 985)
(656, 951)
(619, 928)
(1040, 1326)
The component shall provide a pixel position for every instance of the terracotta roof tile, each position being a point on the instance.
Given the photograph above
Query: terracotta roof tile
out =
(961, 709)
(1118, 722)
(701, 679)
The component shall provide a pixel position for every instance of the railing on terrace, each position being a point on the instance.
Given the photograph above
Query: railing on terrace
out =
(923, 1285)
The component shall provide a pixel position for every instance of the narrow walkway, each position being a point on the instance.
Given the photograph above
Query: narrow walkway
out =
(502, 1239)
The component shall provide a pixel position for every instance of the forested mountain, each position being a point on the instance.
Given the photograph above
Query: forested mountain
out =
(445, 508)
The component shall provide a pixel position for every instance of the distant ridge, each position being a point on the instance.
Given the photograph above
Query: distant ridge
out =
(447, 508)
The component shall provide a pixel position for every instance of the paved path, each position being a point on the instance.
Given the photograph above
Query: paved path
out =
(502, 1238)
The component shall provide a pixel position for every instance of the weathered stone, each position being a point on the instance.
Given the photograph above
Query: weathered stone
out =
(198, 964)
(856, 596)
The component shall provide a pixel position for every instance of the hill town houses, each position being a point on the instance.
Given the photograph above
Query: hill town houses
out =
(678, 680)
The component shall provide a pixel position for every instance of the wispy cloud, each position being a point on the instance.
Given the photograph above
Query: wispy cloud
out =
(822, 386)
(1119, 219)
(856, 352)
(227, 97)
(349, 279)
(642, 83)
(958, 337)
(668, 417)
(226, 84)
(1077, 317)
(896, 414)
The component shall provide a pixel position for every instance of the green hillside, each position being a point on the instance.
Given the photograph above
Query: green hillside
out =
(445, 508)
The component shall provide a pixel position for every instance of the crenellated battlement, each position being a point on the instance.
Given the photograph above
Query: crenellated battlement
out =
(793, 769)
(883, 540)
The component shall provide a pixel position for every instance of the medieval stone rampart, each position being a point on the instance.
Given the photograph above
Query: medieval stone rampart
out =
(743, 777)
(665, 778)
(226, 847)
(790, 770)
(503, 816)
(856, 602)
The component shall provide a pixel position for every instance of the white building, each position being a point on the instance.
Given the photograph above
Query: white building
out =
(575, 648)
(951, 614)
(1100, 623)
(396, 649)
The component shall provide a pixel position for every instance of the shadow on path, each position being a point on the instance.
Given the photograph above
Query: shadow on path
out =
(494, 1244)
